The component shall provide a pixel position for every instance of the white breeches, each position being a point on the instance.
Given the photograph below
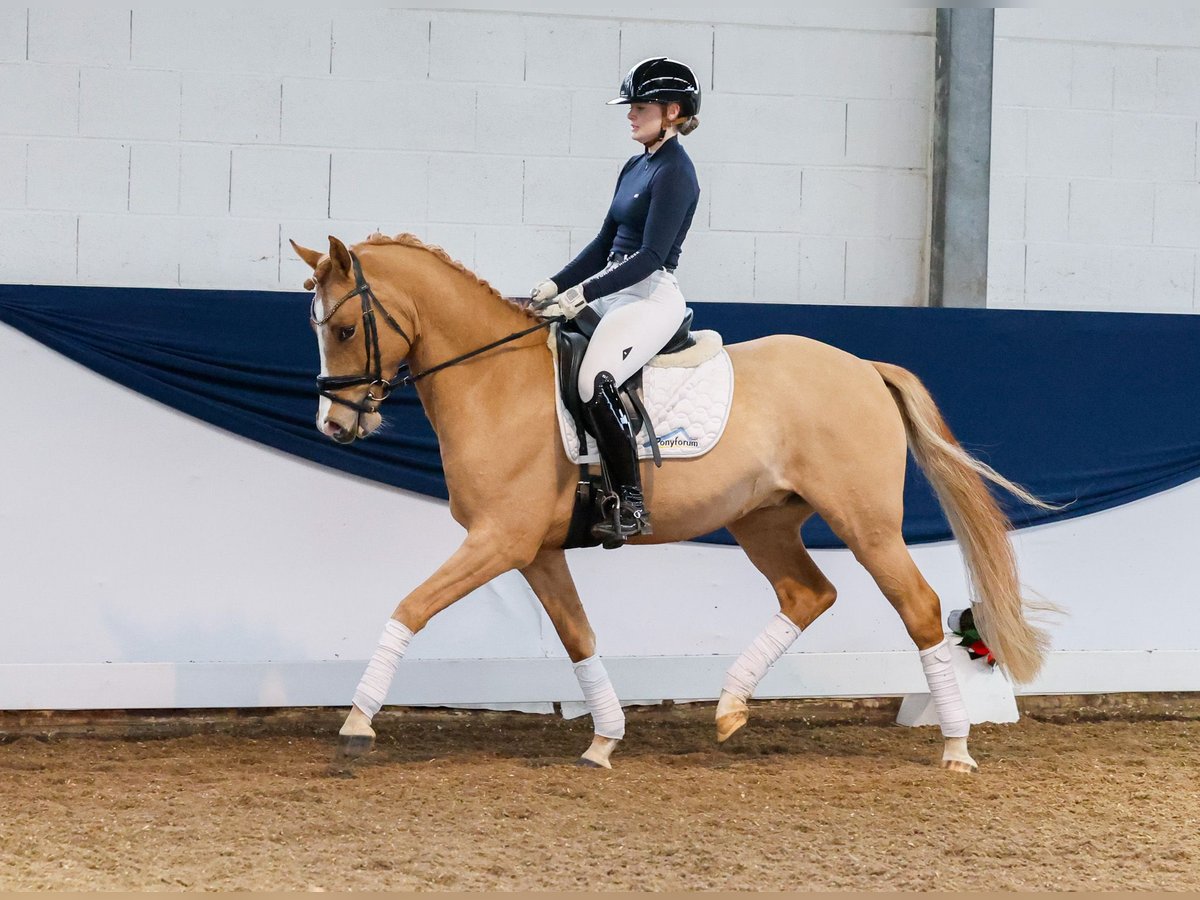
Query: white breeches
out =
(635, 324)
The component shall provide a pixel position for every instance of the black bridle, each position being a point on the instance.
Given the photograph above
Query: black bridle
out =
(379, 388)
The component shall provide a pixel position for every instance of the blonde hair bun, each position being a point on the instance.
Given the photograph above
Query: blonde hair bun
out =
(688, 125)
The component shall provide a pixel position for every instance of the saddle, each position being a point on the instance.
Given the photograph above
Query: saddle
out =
(573, 338)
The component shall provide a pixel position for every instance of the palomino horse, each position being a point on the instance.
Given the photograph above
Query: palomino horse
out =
(813, 429)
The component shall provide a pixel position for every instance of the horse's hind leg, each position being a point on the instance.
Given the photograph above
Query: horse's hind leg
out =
(883, 553)
(551, 581)
(771, 538)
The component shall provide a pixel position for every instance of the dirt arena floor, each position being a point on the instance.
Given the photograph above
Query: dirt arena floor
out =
(1079, 794)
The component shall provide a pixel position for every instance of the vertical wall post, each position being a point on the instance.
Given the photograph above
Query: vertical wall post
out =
(962, 139)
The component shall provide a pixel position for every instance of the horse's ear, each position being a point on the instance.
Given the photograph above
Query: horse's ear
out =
(339, 254)
(312, 257)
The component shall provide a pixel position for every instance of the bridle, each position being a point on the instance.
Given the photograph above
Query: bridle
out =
(379, 388)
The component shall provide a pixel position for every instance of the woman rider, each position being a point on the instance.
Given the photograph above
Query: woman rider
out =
(626, 274)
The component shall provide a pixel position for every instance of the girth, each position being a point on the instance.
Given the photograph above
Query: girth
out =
(573, 339)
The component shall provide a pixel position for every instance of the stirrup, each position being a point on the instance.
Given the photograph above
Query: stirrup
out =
(624, 517)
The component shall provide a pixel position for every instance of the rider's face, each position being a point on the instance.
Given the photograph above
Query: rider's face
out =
(645, 121)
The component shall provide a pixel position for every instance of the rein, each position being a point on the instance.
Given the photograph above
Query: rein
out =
(373, 376)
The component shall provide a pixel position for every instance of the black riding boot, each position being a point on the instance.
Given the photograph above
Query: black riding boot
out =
(618, 448)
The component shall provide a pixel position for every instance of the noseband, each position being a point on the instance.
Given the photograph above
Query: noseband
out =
(378, 388)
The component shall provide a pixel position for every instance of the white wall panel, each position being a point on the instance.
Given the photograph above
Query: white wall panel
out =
(92, 33)
(231, 108)
(129, 103)
(39, 100)
(78, 175)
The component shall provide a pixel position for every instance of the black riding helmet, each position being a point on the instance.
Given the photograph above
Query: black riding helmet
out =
(661, 80)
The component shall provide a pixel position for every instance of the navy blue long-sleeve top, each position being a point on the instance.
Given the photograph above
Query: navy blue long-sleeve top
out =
(650, 214)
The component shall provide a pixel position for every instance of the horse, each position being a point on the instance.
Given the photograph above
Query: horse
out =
(813, 430)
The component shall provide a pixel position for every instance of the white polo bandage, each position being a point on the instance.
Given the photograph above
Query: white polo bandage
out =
(382, 668)
(607, 717)
(745, 674)
(943, 687)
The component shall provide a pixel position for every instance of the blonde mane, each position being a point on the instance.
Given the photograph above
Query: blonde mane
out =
(405, 239)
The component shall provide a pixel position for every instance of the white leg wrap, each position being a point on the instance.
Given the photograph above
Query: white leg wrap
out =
(602, 702)
(943, 687)
(382, 668)
(745, 674)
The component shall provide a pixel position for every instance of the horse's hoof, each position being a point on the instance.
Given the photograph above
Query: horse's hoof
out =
(957, 765)
(585, 763)
(728, 726)
(355, 746)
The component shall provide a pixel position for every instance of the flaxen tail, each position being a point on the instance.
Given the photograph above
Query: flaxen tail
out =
(979, 525)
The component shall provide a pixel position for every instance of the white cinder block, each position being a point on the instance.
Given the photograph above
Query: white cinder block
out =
(1092, 76)
(477, 47)
(591, 45)
(390, 44)
(568, 191)
(1006, 274)
(222, 252)
(776, 268)
(1152, 279)
(39, 100)
(514, 258)
(1006, 208)
(277, 181)
(787, 130)
(13, 32)
(1031, 73)
(824, 64)
(848, 17)
(1178, 86)
(600, 131)
(129, 104)
(1162, 23)
(1111, 212)
(91, 34)
(13, 154)
(229, 38)
(138, 251)
(1069, 142)
(822, 270)
(369, 115)
(1010, 137)
(521, 120)
(1157, 148)
(864, 203)
(473, 189)
(38, 247)
(688, 43)
(1047, 209)
(388, 185)
(1135, 71)
(717, 265)
(243, 109)
(885, 272)
(757, 198)
(1177, 215)
(892, 133)
(78, 175)
(1067, 276)
(154, 179)
(204, 179)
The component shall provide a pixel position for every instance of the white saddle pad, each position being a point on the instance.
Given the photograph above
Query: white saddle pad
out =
(688, 396)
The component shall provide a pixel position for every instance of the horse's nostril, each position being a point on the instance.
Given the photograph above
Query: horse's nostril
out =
(332, 429)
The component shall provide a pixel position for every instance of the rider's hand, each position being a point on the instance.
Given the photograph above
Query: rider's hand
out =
(541, 295)
(571, 302)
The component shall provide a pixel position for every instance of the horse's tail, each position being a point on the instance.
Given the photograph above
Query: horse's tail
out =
(979, 525)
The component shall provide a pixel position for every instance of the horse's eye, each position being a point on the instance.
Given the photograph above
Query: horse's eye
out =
(346, 332)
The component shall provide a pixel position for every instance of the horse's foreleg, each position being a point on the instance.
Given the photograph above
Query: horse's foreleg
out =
(482, 557)
(771, 538)
(551, 581)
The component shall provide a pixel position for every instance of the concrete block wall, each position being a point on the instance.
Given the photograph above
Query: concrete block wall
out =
(183, 144)
(1095, 199)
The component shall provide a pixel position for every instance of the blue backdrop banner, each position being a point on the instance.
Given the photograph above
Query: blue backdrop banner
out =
(1090, 409)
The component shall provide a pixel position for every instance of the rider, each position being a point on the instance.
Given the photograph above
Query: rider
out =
(626, 274)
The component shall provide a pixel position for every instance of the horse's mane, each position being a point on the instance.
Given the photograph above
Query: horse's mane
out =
(405, 239)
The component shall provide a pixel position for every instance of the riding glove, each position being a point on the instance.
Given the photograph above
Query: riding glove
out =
(568, 304)
(541, 295)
